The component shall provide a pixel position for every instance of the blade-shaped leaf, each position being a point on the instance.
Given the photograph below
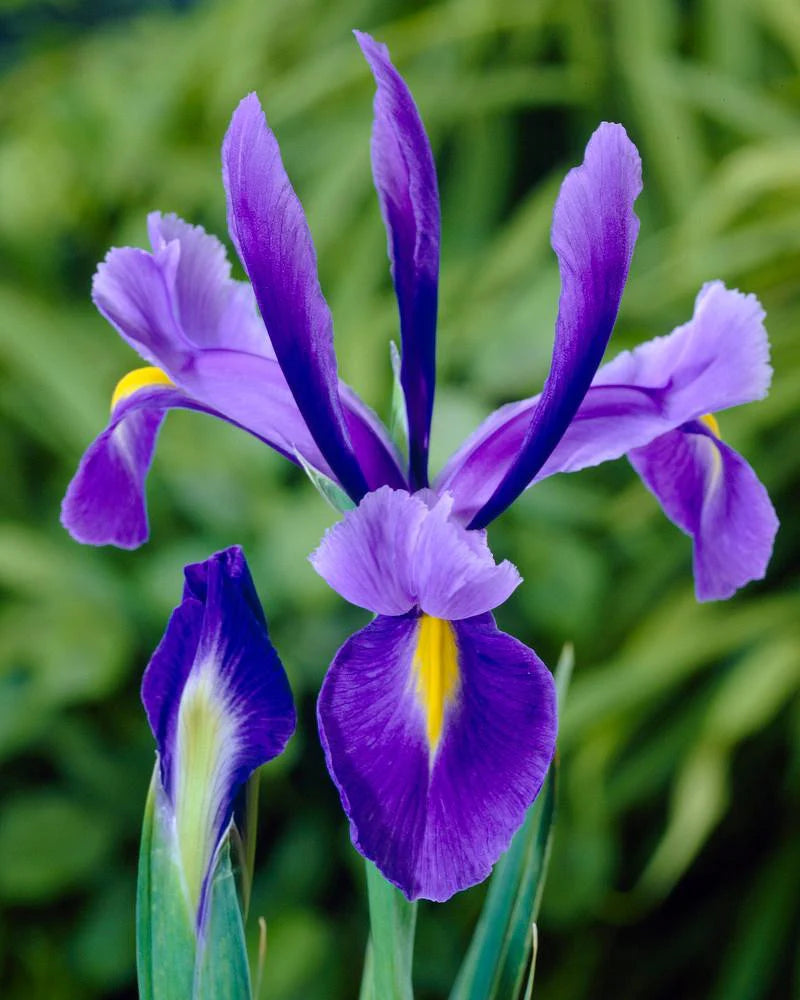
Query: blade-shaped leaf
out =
(398, 421)
(500, 952)
(165, 939)
(222, 970)
(330, 491)
(532, 970)
(390, 954)
(170, 964)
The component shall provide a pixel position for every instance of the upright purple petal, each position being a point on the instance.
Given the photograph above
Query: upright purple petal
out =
(267, 224)
(435, 816)
(593, 235)
(395, 552)
(219, 704)
(405, 178)
(712, 494)
(720, 358)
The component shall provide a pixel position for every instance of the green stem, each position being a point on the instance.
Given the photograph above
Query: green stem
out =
(387, 969)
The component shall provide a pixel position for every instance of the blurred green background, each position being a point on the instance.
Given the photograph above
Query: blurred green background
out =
(677, 857)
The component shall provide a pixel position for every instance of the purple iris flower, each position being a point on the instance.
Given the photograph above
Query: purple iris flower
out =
(438, 728)
(219, 704)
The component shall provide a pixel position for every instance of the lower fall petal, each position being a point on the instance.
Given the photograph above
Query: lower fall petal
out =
(438, 736)
(718, 359)
(713, 495)
(105, 501)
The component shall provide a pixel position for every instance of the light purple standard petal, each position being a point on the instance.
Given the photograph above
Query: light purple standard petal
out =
(435, 821)
(394, 552)
(405, 178)
(219, 704)
(716, 360)
(713, 495)
(268, 226)
(593, 235)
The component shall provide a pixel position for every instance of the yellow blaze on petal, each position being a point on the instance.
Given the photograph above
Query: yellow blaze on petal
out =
(206, 736)
(139, 378)
(436, 673)
(711, 423)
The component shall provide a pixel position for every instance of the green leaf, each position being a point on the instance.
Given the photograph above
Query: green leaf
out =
(169, 964)
(165, 940)
(222, 970)
(243, 841)
(387, 966)
(534, 954)
(398, 421)
(501, 948)
(327, 488)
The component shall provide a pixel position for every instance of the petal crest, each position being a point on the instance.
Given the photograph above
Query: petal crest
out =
(718, 359)
(396, 551)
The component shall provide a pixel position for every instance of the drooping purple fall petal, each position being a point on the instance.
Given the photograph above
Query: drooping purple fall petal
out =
(219, 705)
(181, 310)
(105, 500)
(712, 494)
(436, 772)
(593, 235)
(719, 359)
(405, 178)
(396, 551)
(269, 228)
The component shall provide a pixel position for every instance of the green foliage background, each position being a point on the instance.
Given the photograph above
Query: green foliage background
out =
(677, 856)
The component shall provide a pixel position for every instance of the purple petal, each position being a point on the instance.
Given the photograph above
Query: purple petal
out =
(252, 392)
(394, 552)
(267, 224)
(405, 178)
(719, 359)
(594, 231)
(716, 360)
(712, 494)
(132, 290)
(213, 310)
(179, 299)
(105, 501)
(435, 819)
(377, 454)
(218, 703)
